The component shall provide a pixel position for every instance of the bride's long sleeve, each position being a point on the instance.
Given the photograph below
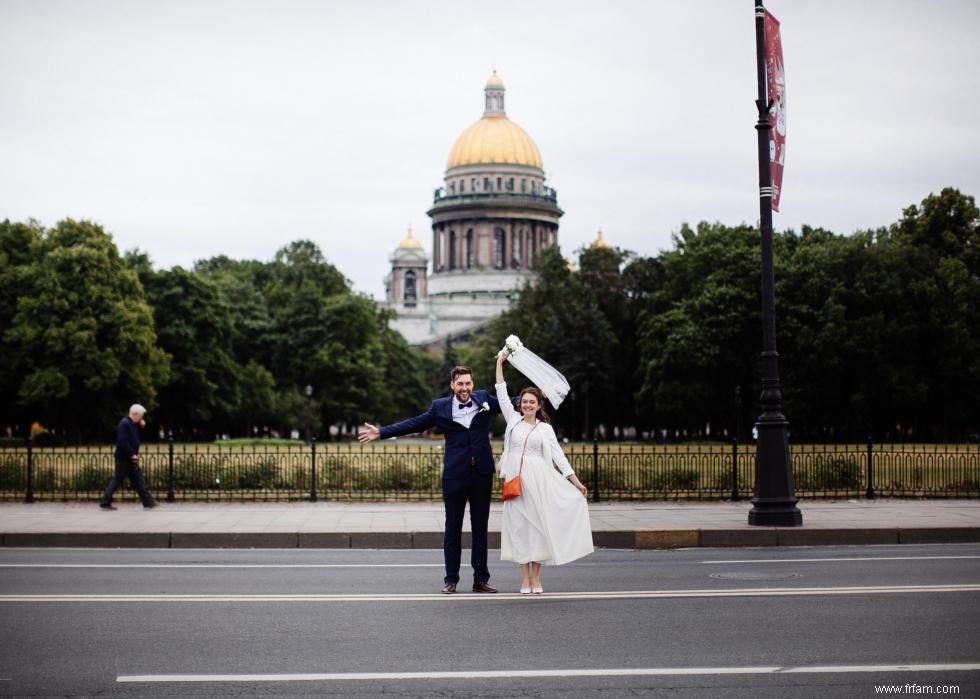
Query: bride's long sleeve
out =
(557, 453)
(506, 407)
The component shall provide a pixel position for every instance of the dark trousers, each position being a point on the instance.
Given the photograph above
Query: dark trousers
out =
(455, 494)
(127, 469)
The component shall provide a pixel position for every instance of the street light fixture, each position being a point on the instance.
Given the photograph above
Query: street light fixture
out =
(774, 503)
(309, 407)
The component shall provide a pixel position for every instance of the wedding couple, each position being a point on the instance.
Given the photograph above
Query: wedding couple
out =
(548, 523)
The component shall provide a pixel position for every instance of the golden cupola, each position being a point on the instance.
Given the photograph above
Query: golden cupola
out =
(494, 139)
(409, 242)
(600, 242)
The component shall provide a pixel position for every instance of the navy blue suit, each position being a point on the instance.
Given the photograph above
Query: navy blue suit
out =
(467, 476)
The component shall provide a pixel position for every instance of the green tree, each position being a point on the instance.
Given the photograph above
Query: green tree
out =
(194, 325)
(560, 318)
(82, 339)
(245, 284)
(19, 244)
(405, 391)
(938, 245)
(699, 333)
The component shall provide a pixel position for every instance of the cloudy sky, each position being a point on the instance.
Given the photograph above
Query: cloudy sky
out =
(206, 127)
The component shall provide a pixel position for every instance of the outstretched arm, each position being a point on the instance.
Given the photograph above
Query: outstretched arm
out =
(506, 407)
(368, 435)
(412, 425)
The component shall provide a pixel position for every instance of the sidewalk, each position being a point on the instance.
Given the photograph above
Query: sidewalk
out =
(641, 525)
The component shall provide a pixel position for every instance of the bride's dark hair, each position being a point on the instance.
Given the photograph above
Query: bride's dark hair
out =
(542, 414)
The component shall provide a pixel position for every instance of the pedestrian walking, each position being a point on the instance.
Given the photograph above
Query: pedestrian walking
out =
(128, 459)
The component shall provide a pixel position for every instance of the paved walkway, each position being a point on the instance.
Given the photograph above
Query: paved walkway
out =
(419, 525)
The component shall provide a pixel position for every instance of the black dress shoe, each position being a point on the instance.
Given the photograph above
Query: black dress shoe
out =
(106, 507)
(150, 506)
(449, 589)
(483, 587)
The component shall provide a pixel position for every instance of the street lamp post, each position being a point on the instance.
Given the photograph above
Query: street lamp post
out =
(312, 440)
(774, 503)
(309, 407)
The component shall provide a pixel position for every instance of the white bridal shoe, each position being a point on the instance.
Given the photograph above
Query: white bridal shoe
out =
(525, 590)
(537, 590)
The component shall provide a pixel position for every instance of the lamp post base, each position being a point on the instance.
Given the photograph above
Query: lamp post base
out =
(775, 513)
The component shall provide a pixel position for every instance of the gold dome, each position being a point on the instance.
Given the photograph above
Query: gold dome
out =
(494, 139)
(409, 242)
(600, 242)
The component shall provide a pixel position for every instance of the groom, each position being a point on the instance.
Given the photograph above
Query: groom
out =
(468, 469)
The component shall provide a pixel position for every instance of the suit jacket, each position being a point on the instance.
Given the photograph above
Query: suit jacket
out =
(465, 448)
(127, 440)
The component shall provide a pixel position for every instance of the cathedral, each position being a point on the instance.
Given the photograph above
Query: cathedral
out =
(490, 219)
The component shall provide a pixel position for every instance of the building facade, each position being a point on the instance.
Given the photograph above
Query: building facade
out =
(490, 220)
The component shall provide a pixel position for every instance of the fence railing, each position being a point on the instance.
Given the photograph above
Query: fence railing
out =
(398, 470)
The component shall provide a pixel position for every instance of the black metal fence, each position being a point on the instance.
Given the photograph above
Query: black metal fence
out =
(412, 471)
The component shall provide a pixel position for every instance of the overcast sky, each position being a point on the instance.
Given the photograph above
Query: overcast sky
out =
(192, 129)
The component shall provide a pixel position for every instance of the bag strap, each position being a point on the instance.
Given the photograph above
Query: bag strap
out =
(524, 448)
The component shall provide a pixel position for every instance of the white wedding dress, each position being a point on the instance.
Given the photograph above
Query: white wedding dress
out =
(549, 522)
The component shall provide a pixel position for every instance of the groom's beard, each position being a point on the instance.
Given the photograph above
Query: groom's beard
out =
(463, 396)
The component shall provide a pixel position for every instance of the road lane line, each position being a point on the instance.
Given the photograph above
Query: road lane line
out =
(837, 560)
(437, 597)
(221, 565)
(570, 672)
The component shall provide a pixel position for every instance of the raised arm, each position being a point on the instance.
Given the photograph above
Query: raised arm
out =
(506, 407)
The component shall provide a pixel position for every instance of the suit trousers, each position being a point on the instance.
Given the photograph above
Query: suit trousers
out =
(127, 469)
(476, 489)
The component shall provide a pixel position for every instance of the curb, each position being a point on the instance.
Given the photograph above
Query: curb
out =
(642, 539)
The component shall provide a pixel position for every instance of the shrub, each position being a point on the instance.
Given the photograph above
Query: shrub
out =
(721, 482)
(90, 476)
(263, 473)
(612, 478)
(675, 479)
(964, 486)
(13, 472)
(331, 473)
(194, 472)
(831, 473)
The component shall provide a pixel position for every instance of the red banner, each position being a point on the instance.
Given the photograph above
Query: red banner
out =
(776, 87)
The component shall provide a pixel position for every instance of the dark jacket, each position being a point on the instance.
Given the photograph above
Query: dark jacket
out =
(464, 447)
(127, 440)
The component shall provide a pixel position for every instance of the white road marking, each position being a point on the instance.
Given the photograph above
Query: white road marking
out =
(221, 565)
(437, 597)
(570, 672)
(838, 560)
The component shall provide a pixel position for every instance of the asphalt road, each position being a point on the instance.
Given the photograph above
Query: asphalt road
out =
(816, 621)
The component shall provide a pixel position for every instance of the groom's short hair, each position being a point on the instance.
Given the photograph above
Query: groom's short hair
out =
(458, 371)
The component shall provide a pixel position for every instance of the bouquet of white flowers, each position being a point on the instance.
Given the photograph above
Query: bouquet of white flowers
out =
(512, 344)
(551, 382)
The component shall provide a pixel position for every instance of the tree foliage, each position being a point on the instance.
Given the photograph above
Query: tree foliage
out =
(80, 345)
(878, 332)
(228, 347)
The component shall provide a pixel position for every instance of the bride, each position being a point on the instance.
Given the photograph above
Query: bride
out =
(549, 522)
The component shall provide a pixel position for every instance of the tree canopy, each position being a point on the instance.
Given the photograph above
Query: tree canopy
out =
(878, 333)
